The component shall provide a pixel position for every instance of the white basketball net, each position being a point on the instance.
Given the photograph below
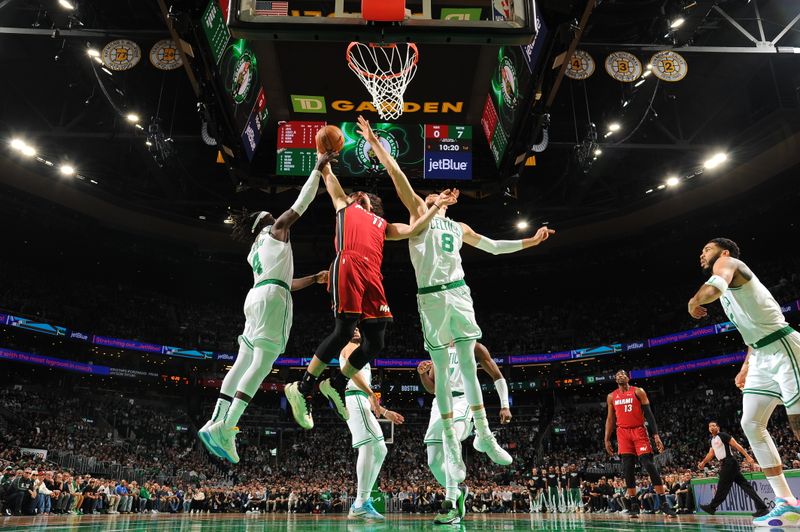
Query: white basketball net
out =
(385, 70)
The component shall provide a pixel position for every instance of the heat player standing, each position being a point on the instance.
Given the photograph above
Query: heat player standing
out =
(628, 407)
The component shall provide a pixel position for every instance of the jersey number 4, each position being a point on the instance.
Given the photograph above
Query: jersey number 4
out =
(447, 242)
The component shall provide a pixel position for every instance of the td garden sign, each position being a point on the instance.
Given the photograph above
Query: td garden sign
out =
(318, 105)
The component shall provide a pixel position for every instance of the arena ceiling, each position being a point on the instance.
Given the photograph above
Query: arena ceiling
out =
(741, 97)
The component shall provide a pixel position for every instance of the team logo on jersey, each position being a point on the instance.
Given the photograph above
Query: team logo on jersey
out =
(669, 66)
(581, 65)
(384, 308)
(243, 77)
(165, 55)
(508, 83)
(643, 448)
(366, 155)
(623, 66)
(121, 54)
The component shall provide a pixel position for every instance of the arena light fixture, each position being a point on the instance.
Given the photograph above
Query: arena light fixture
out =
(93, 52)
(640, 82)
(648, 191)
(66, 5)
(673, 181)
(662, 187)
(597, 152)
(614, 126)
(18, 144)
(67, 170)
(647, 73)
(28, 151)
(228, 220)
(522, 225)
(132, 117)
(626, 103)
(677, 23)
(716, 160)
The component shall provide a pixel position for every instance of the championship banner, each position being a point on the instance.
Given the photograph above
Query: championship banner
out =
(40, 454)
(737, 502)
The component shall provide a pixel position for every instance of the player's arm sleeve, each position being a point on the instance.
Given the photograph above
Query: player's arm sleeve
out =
(502, 391)
(498, 247)
(651, 419)
(307, 193)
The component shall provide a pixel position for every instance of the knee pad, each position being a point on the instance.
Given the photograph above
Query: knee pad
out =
(650, 466)
(629, 470)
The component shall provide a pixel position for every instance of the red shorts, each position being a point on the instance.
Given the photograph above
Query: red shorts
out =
(633, 440)
(356, 286)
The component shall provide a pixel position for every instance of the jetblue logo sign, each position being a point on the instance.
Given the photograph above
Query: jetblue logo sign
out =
(78, 336)
(224, 356)
(448, 165)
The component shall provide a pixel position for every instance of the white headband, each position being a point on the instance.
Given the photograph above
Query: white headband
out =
(258, 219)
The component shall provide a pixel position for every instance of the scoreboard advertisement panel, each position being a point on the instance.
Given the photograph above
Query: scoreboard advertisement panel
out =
(448, 152)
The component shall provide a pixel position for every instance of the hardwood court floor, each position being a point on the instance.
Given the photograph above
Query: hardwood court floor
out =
(394, 522)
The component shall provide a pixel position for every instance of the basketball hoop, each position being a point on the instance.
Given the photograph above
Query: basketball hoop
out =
(385, 70)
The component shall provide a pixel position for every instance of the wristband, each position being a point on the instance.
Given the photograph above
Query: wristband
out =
(502, 391)
(718, 282)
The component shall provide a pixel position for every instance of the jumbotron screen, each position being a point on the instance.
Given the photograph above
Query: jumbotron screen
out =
(430, 151)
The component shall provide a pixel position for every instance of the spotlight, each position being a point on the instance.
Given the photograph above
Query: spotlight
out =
(148, 143)
(640, 83)
(677, 23)
(614, 126)
(228, 220)
(649, 191)
(93, 52)
(607, 135)
(67, 170)
(66, 5)
(661, 187)
(673, 181)
(646, 73)
(626, 103)
(18, 144)
(132, 117)
(98, 60)
(139, 126)
(28, 151)
(716, 160)
(649, 66)
(522, 225)
(598, 151)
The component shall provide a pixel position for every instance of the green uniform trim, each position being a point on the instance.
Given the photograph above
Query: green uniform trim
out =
(429, 347)
(366, 423)
(364, 442)
(774, 337)
(441, 287)
(356, 392)
(756, 391)
(795, 369)
(272, 281)
(247, 342)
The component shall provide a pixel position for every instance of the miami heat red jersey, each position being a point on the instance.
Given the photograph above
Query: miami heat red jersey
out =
(627, 408)
(360, 232)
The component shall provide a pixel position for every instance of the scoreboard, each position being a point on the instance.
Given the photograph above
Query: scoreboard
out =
(448, 152)
(297, 147)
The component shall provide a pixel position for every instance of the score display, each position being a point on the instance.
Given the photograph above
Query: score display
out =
(448, 152)
(429, 151)
(297, 147)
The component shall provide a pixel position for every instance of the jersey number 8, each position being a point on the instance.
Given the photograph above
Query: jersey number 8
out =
(447, 242)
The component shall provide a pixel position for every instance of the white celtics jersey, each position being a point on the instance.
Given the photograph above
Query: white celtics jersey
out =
(271, 259)
(753, 310)
(436, 253)
(365, 372)
(454, 370)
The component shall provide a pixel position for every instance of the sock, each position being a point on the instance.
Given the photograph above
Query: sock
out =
(452, 493)
(235, 412)
(221, 408)
(339, 381)
(481, 423)
(781, 488)
(307, 383)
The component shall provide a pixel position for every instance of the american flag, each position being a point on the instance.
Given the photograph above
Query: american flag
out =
(272, 9)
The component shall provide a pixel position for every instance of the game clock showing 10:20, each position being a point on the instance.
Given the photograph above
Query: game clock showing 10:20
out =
(448, 152)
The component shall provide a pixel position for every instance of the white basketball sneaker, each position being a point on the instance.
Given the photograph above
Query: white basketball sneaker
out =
(488, 444)
(225, 440)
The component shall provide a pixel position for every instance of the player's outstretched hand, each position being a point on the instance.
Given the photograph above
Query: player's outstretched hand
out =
(424, 367)
(659, 443)
(741, 377)
(324, 159)
(394, 417)
(505, 416)
(365, 130)
(542, 234)
(609, 448)
(448, 197)
(321, 277)
(697, 311)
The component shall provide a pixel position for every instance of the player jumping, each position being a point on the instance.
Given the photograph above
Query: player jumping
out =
(356, 286)
(770, 374)
(267, 310)
(629, 406)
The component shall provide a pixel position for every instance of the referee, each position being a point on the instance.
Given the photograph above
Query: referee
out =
(729, 472)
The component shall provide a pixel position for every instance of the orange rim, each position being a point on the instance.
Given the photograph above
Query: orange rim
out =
(370, 75)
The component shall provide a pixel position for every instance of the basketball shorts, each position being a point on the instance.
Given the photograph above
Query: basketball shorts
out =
(268, 318)
(363, 424)
(462, 421)
(447, 315)
(634, 440)
(774, 371)
(356, 286)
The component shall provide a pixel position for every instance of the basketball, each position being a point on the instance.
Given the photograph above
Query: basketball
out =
(330, 138)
